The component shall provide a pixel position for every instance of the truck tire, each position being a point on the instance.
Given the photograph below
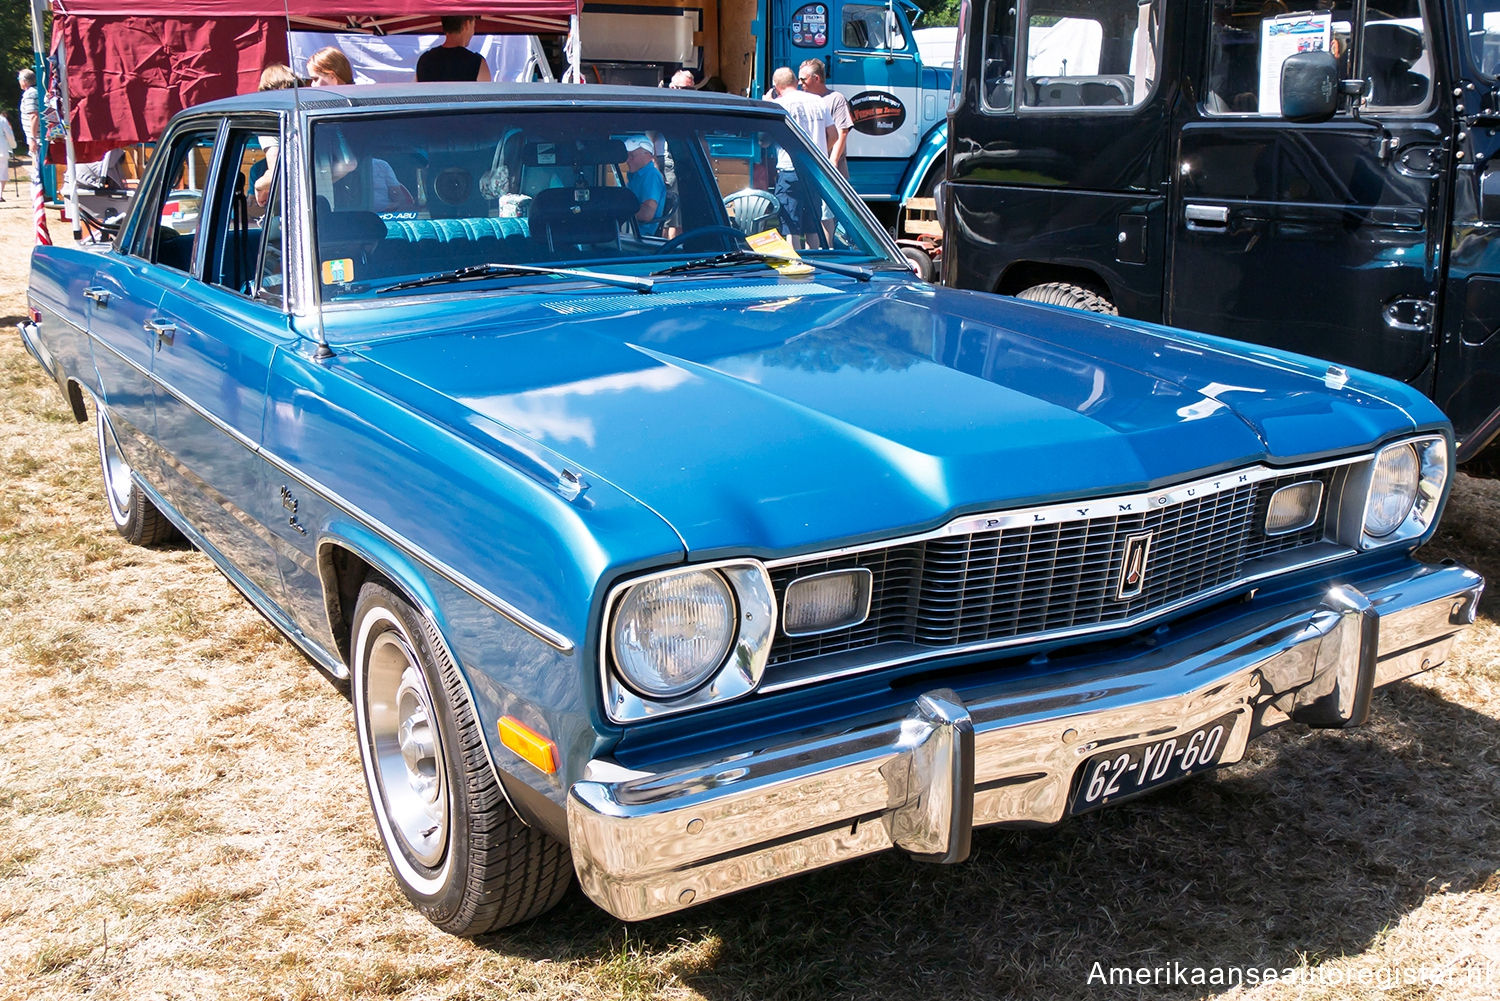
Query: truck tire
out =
(459, 852)
(921, 262)
(1072, 296)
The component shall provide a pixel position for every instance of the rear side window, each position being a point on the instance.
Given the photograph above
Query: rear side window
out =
(168, 231)
(1101, 56)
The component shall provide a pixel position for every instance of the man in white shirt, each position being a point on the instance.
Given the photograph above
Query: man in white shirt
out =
(800, 203)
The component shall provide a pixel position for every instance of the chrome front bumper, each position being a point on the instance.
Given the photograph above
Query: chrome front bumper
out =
(648, 844)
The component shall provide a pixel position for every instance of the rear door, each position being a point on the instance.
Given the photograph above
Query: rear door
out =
(1320, 238)
(216, 334)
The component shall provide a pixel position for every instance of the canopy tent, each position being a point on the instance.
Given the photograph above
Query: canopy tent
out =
(131, 64)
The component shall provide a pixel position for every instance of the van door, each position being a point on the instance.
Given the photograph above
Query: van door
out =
(1320, 238)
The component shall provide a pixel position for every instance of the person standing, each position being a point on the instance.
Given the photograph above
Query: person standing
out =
(31, 114)
(7, 147)
(453, 60)
(682, 80)
(812, 75)
(328, 67)
(803, 208)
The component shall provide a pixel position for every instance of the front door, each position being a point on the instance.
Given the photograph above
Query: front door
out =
(1318, 238)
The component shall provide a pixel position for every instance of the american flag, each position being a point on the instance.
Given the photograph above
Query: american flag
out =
(39, 211)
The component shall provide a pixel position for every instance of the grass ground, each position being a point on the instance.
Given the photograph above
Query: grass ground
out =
(182, 816)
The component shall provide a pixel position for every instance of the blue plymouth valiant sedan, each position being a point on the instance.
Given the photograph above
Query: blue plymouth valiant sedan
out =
(668, 532)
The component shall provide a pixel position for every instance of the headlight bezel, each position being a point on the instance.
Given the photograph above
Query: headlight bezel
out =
(1434, 474)
(741, 668)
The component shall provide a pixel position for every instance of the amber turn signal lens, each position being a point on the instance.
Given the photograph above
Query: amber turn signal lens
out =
(529, 745)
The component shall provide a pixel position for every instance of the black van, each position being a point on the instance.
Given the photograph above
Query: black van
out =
(1133, 156)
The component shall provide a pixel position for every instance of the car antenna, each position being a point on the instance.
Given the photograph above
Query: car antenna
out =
(324, 351)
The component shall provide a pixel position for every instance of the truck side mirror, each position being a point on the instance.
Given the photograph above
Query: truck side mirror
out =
(1309, 87)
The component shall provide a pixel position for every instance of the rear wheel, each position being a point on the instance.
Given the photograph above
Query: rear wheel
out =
(135, 517)
(1072, 296)
(460, 853)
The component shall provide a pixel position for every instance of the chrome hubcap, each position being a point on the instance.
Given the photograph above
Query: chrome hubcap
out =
(407, 749)
(117, 485)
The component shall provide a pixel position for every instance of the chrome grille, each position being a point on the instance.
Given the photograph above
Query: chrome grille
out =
(1028, 581)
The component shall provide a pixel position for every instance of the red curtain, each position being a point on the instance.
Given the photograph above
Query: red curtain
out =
(128, 75)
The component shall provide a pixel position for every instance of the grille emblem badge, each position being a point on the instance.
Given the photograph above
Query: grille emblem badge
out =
(1133, 566)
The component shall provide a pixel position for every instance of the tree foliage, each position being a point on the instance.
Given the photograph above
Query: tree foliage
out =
(15, 53)
(938, 13)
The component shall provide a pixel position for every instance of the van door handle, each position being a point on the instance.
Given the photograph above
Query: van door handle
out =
(164, 330)
(1211, 217)
(98, 296)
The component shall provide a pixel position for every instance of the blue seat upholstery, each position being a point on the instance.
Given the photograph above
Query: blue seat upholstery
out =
(440, 244)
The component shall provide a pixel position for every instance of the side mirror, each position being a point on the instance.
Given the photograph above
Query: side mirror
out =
(1310, 87)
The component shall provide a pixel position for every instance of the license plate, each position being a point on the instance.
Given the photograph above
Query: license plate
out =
(1114, 775)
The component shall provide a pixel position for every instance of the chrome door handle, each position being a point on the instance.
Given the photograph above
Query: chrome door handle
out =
(1207, 216)
(98, 296)
(164, 330)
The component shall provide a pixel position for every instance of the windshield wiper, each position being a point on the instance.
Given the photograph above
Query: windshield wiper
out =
(476, 271)
(755, 256)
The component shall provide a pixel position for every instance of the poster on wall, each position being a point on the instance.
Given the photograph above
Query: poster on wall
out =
(1281, 37)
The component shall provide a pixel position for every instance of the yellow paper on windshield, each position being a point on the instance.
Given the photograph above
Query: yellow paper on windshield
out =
(772, 242)
(338, 271)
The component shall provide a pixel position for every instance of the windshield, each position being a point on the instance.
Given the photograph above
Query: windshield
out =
(628, 191)
(1484, 35)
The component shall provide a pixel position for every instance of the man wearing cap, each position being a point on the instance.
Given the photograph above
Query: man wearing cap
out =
(645, 182)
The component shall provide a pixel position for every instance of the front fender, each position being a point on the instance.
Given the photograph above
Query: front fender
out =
(930, 153)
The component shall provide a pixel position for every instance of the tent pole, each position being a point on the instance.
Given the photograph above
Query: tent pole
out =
(66, 117)
(575, 54)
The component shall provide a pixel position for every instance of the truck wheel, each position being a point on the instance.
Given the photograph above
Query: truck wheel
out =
(461, 855)
(1072, 296)
(135, 517)
(921, 262)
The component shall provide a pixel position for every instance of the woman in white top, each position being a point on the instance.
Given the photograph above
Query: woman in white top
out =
(7, 147)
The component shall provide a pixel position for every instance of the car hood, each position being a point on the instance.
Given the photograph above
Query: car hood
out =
(785, 416)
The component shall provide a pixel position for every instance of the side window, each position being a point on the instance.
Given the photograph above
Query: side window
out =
(1103, 58)
(237, 213)
(177, 207)
(1249, 41)
(871, 27)
(1395, 56)
(999, 55)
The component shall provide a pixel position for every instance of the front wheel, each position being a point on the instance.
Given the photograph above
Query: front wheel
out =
(460, 853)
(1070, 295)
(135, 517)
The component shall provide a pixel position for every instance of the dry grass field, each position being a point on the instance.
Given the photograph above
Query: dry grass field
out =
(182, 816)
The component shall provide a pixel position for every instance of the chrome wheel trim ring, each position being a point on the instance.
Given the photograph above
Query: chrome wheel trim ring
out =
(404, 757)
(118, 485)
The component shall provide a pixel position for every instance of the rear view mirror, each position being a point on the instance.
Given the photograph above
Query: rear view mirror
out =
(1309, 87)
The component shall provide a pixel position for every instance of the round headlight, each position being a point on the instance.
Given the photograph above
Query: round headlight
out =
(1393, 490)
(670, 634)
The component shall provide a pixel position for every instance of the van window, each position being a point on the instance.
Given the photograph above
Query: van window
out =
(1396, 56)
(1103, 57)
(1483, 23)
(1248, 45)
(999, 55)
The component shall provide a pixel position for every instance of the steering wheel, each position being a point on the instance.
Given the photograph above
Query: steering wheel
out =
(726, 234)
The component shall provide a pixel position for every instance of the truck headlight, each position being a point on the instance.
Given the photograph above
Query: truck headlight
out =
(671, 633)
(1407, 480)
(685, 638)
